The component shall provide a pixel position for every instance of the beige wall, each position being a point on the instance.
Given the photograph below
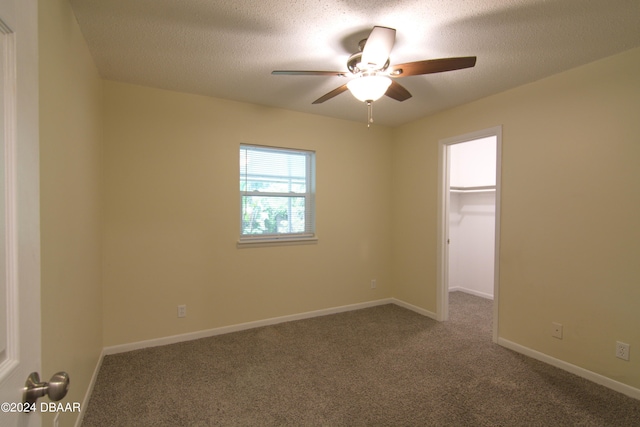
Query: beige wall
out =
(70, 189)
(171, 218)
(570, 238)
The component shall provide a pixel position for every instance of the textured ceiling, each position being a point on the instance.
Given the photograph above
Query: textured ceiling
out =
(227, 49)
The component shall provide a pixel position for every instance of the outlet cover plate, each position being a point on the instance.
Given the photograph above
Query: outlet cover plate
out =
(182, 311)
(622, 350)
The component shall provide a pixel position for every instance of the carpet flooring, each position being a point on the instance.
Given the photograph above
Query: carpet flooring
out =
(380, 366)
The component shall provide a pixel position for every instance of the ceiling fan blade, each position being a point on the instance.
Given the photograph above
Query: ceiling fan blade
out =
(430, 66)
(309, 73)
(337, 91)
(378, 47)
(397, 92)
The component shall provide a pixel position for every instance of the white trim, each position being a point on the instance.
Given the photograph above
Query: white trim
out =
(442, 292)
(577, 370)
(240, 327)
(442, 253)
(471, 292)
(87, 394)
(261, 243)
(417, 309)
(12, 357)
(496, 256)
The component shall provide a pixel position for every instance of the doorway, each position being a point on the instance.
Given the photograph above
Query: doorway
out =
(469, 218)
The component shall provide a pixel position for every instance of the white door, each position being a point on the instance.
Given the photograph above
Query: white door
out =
(19, 208)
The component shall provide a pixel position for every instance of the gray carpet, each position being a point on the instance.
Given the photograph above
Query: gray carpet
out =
(381, 366)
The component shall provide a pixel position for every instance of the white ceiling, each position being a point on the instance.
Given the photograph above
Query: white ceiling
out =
(227, 49)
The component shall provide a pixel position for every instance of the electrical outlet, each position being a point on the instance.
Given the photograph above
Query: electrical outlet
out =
(556, 330)
(373, 283)
(182, 311)
(622, 350)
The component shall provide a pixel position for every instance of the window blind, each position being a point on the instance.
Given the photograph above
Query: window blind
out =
(277, 192)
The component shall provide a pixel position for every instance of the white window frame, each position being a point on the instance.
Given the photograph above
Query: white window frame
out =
(267, 239)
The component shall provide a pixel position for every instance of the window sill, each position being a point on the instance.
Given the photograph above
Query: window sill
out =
(261, 243)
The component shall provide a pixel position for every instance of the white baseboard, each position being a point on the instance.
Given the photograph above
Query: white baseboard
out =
(240, 327)
(87, 394)
(414, 308)
(581, 372)
(472, 292)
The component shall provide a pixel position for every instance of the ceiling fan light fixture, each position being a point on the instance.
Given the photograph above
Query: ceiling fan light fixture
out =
(369, 88)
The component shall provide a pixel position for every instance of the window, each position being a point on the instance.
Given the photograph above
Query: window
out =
(277, 192)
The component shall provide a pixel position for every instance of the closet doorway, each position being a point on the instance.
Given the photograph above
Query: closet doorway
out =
(469, 218)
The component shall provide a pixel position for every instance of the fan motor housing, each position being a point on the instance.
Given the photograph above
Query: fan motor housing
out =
(354, 61)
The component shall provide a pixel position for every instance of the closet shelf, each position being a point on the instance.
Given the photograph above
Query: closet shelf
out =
(477, 189)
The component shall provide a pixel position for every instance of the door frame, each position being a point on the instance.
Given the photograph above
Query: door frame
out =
(442, 295)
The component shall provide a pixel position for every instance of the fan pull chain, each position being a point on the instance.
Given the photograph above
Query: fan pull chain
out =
(369, 113)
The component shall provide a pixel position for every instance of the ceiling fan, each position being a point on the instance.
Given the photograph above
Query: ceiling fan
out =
(374, 76)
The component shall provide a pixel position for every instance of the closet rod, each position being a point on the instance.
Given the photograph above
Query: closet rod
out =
(477, 188)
